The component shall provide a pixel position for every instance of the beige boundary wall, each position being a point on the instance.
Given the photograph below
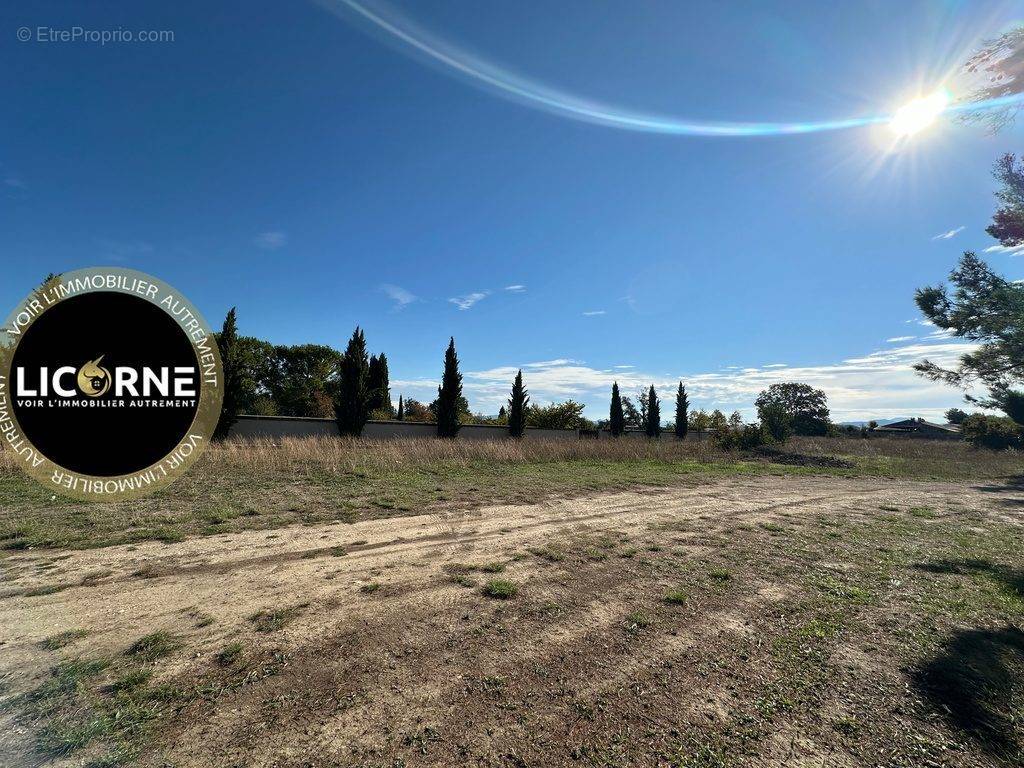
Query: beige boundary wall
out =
(276, 427)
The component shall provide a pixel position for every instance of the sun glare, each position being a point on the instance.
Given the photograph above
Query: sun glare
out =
(918, 114)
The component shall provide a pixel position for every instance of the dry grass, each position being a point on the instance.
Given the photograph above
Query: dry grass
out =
(340, 456)
(903, 457)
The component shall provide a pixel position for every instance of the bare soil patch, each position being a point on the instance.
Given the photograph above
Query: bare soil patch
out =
(750, 621)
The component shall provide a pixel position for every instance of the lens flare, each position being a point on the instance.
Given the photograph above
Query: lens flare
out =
(485, 74)
(918, 114)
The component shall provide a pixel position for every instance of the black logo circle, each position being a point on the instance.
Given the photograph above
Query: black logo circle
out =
(105, 430)
(110, 383)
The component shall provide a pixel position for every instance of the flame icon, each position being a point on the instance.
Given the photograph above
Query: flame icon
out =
(93, 379)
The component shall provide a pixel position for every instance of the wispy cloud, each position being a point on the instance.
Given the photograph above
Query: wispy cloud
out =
(775, 365)
(1013, 250)
(594, 312)
(515, 288)
(115, 251)
(14, 182)
(467, 301)
(949, 234)
(271, 241)
(401, 297)
(896, 339)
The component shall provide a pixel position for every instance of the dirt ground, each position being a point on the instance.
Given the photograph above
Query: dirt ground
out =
(752, 621)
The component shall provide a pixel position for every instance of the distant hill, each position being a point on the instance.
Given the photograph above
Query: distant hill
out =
(880, 422)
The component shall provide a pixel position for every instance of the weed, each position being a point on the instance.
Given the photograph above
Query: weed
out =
(229, 654)
(637, 621)
(500, 589)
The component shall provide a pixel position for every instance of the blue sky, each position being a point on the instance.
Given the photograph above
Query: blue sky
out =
(312, 169)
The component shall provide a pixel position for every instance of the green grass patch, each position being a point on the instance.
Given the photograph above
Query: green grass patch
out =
(500, 589)
(153, 646)
(677, 597)
(229, 654)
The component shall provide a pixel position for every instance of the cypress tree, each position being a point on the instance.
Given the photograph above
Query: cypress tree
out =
(401, 409)
(227, 341)
(616, 421)
(373, 385)
(352, 399)
(682, 412)
(449, 394)
(653, 414)
(380, 386)
(517, 407)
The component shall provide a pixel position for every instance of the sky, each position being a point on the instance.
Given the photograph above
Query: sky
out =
(524, 177)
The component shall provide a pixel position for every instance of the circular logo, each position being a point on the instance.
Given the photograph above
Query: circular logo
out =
(110, 384)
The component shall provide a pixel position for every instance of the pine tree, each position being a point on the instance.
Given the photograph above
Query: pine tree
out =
(227, 341)
(682, 415)
(653, 414)
(352, 398)
(517, 407)
(449, 394)
(401, 409)
(616, 421)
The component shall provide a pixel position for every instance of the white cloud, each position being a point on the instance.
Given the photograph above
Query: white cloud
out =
(594, 313)
(515, 288)
(896, 339)
(122, 251)
(271, 241)
(1013, 250)
(881, 384)
(775, 365)
(398, 295)
(467, 301)
(551, 363)
(949, 234)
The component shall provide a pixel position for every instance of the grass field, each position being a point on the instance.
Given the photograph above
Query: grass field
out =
(844, 602)
(243, 486)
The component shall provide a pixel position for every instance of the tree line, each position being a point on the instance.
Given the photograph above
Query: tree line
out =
(353, 387)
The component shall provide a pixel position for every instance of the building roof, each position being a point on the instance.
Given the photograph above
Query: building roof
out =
(916, 425)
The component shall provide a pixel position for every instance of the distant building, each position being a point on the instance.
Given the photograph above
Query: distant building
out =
(919, 428)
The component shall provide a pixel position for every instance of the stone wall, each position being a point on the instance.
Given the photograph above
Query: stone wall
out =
(275, 427)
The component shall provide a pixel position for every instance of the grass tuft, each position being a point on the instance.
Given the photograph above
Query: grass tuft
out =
(500, 589)
(153, 646)
(62, 639)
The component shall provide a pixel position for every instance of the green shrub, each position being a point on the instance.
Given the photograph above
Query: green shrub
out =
(995, 432)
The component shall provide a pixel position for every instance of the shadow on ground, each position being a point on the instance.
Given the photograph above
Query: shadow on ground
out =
(976, 681)
(1011, 485)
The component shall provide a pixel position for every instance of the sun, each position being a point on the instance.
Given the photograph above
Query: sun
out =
(918, 114)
